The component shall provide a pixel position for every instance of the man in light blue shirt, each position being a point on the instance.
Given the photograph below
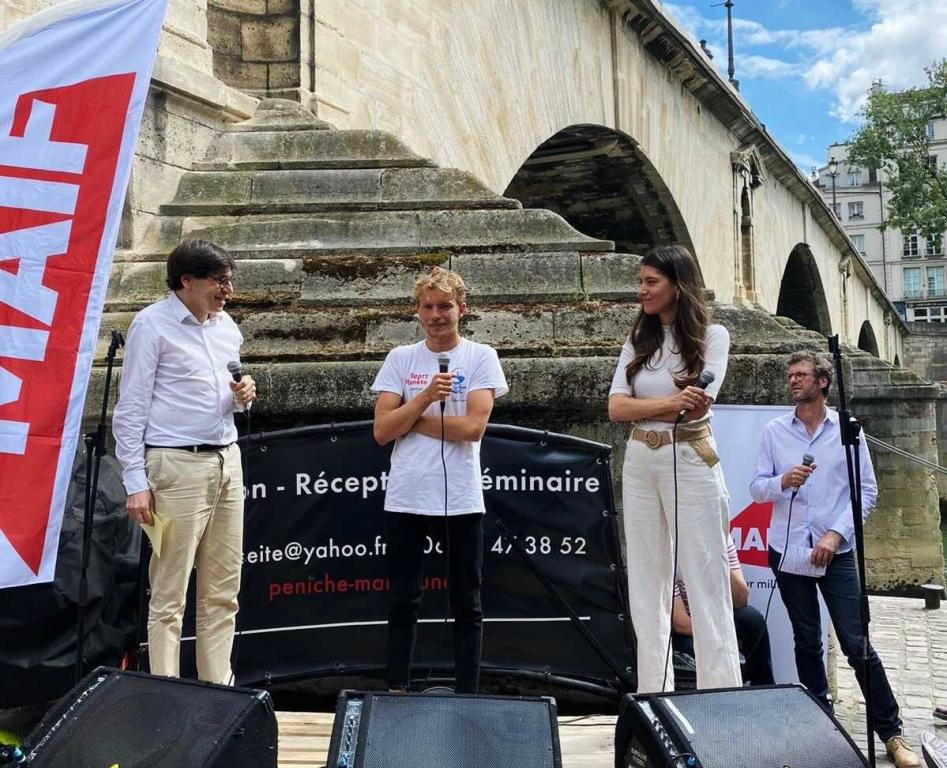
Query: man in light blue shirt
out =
(812, 510)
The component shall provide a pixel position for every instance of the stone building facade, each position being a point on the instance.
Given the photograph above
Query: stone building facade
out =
(911, 269)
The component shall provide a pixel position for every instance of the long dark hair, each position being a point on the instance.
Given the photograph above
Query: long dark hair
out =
(690, 321)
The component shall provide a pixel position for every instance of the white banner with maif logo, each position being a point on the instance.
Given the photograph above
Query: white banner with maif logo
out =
(73, 84)
(737, 430)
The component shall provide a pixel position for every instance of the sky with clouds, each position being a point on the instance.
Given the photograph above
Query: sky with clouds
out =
(805, 66)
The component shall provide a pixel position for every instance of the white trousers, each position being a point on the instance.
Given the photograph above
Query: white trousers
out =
(200, 498)
(703, 523)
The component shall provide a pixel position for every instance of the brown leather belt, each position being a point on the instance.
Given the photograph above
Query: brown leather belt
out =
(655, 438)
(697, 436)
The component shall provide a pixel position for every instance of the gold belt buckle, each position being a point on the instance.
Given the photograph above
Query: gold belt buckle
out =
(652, 438)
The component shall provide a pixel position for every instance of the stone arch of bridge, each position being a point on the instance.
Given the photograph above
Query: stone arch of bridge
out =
(801, 294)
(600, 181)
(867, 341)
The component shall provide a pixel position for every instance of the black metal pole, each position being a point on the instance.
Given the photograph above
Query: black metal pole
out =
(730, 68)
(144, 596)
(850, 430)
(95, 446)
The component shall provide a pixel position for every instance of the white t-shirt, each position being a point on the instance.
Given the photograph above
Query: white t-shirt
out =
(416, 478)
(656, 378)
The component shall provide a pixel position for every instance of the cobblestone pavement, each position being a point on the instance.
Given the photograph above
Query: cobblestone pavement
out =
(912, 644)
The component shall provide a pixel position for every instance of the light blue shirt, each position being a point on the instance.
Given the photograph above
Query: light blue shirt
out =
(822, 503)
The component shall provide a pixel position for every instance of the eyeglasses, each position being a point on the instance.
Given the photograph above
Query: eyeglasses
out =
(223, 282)
(799, 376)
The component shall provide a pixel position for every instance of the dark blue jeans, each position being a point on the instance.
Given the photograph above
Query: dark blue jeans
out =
(840, 590)
(405, 538)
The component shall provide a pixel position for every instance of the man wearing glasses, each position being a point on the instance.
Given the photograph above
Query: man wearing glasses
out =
(176, 440)
(821, 527)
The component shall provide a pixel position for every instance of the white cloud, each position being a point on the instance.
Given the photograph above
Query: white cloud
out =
(904, 37)
(754, 66)
(806, 162)
(894, 44)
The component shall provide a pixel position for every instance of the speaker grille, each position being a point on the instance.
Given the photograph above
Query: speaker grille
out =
(412, 731)
(754, 728)
(143, 721)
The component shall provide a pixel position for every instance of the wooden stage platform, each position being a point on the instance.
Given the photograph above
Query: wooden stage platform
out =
(586, 742)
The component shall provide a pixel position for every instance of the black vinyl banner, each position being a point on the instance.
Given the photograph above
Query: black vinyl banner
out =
(314, 600)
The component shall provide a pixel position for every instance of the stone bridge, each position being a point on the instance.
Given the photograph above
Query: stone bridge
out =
(536, 146)
(607, 114)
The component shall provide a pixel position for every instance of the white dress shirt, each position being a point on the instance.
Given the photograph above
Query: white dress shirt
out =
(175, 386)
(822, 503)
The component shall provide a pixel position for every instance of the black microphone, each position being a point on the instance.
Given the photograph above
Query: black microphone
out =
(443, 363)
(703, 381)
(236, 370)
(807, 461)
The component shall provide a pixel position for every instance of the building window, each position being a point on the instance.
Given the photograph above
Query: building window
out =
(929, 131)
(932, 162)
(854, 177)
(912, 282)
(837, 210)
(935, 246)
(928, 314)
(910, 245)
(935, 282)
(856, 210)
(859, 242)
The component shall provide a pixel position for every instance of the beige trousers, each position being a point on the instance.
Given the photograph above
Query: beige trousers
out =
(703, 517)
(199, 496)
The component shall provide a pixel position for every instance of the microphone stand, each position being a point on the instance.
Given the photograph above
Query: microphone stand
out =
(850, 431)
(95, 449)
(600, 650)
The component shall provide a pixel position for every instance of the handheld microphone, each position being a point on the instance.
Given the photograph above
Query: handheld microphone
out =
(236, 371)
(807, 461)
(443, 364)
(703, 381)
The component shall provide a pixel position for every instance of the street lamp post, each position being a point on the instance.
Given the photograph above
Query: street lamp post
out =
(833, 172)
(728, 4)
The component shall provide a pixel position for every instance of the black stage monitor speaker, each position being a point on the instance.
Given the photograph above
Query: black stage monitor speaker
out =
(135, 720)
(780, 726)
(407, 730)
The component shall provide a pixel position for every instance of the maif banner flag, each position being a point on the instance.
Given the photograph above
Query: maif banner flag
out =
(73, 83)
(738, 429)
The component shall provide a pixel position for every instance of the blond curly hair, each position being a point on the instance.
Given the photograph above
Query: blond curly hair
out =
(443, 280)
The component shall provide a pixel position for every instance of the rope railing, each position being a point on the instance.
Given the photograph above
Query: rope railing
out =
(906, 454)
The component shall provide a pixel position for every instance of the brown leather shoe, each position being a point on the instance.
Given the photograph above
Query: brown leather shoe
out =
(902, 754)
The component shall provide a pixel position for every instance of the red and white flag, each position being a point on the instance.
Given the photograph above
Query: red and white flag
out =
(73, 83)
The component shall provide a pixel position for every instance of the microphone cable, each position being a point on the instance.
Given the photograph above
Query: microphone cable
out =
(807, 460)
(447, 609)
(779, 570)
(703, 381)
(667, 655)
(235, 652)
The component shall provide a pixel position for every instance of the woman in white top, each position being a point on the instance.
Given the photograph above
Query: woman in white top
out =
(670, 344)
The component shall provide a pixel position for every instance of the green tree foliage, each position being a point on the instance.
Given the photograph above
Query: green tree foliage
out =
(894, 138)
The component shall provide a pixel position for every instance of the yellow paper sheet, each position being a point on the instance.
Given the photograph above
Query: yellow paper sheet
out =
(155, 533)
